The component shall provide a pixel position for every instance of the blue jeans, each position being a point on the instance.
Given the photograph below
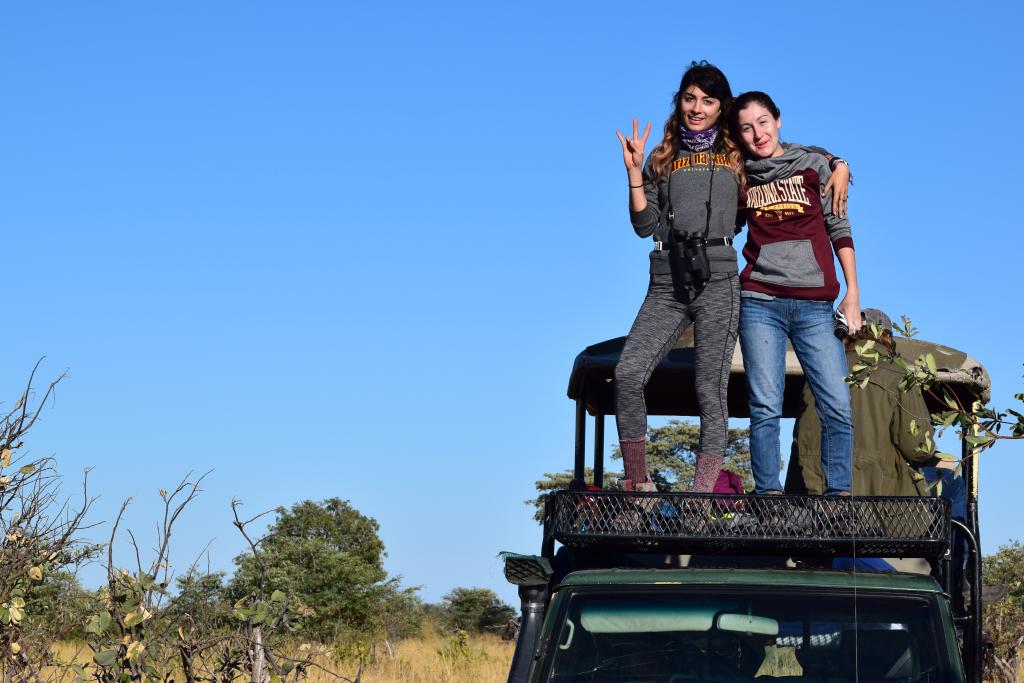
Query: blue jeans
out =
(764, 328)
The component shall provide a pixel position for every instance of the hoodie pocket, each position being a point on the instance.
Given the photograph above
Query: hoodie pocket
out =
(790, 263)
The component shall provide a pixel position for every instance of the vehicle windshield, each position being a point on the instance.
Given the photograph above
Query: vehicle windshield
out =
(750, 634)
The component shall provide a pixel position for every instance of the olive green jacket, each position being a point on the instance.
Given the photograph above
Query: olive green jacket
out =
(885, 455)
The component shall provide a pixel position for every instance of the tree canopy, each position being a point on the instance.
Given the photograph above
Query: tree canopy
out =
(475, 609)
(328, 554)
(671, 457)
(672, 454)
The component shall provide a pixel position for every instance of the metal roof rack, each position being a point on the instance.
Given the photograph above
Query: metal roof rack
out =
(710, 523)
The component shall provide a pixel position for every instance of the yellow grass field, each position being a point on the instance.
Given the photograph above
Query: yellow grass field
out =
(430, 659)
(484, 659)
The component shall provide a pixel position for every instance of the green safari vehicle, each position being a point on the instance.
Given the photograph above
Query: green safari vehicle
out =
(634, 587)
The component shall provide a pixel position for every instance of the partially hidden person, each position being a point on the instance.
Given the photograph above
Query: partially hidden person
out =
(891, 429)
(947, 478)
(686, 197)
(788, 288)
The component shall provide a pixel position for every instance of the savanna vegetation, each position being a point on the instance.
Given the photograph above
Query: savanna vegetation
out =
(1003, 576)
(309, 599)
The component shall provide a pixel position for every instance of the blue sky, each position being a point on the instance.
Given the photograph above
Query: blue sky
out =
(334, 250)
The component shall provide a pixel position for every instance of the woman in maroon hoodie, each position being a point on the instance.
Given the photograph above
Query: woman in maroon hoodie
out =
(787, 290)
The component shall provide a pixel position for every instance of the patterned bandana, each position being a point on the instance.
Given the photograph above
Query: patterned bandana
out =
(698, 140)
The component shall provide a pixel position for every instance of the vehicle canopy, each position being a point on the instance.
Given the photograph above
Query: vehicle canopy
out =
(669, 391)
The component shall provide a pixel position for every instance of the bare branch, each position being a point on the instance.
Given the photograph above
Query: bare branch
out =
(138, 557)
(190, 491)
(110, 544)
(240, 525)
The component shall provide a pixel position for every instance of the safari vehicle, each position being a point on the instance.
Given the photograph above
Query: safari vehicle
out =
(678, 587)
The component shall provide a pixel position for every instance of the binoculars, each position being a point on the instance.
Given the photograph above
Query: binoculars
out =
(690, 265)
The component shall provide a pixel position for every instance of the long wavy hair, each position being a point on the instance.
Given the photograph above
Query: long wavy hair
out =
(713, 82)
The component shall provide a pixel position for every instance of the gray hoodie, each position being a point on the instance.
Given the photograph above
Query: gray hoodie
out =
(691, 181)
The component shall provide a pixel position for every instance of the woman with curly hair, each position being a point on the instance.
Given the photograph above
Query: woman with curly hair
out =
(686, 196)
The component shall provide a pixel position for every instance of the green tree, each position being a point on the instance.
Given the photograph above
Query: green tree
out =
(556, 481)
(59, 606)
(671, 457)
(403, 612)
(330, 556)
(203, 602)
(475, 609)
(672, 454)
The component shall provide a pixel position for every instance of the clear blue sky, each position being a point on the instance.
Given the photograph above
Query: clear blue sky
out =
(328, 250)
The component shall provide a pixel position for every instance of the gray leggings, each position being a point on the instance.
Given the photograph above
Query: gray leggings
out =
(663, 317)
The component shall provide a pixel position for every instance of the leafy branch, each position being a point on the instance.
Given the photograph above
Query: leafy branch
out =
(980, 426)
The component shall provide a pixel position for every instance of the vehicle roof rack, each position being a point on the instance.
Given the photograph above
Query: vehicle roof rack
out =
(711, 523)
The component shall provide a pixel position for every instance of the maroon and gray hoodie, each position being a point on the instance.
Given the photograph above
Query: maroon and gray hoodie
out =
(792, 231)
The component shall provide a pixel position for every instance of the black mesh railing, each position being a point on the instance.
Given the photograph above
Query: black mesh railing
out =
(873, 526)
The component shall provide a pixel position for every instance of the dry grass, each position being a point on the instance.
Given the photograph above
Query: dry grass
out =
(484, 659)
(430, 659)
(1011, 671)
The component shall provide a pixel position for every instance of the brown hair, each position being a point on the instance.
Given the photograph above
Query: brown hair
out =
(712, 81)
(741, 103)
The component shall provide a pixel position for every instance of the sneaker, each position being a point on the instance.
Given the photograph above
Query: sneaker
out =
(837, 517)
(784, 517)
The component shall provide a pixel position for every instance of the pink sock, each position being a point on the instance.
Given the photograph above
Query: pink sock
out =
(706, 474)
(634, 459)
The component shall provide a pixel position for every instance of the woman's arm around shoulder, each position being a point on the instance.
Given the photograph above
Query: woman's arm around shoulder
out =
(838, 183)
(841, 235)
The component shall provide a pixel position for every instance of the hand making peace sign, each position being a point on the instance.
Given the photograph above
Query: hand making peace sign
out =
(633, 148)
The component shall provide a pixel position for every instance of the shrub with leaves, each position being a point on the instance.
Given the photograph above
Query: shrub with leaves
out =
(127, 641)
(136, 630)
(980, 425)
(38, 536)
